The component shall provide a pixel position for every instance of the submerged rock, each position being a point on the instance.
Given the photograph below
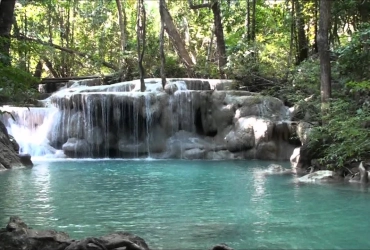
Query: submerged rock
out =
(362, 176)
(318, 176)
(18, 236)
(277, 169)
(26, 159)
(221, 246)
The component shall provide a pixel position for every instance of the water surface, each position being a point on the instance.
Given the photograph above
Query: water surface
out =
(187, 204)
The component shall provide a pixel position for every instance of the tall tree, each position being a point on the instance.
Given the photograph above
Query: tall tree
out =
(324, 53)
(161, 45)
(141, 35)
(6, 22)
(302, 46)
(220, 40)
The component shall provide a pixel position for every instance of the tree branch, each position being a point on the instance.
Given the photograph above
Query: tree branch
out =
(67, 50)
(198, 6)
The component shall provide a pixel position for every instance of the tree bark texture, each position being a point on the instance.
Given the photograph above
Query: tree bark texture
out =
(302, 46)
(220, 40)
(324, 53)
(161, 45)
(122, 28)
(141, 33)
(6, 22)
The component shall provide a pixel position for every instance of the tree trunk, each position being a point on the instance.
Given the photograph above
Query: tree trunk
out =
(175, 37)
(6, 22)
(364, 9)
(210, 44)
(248, 21)
(291, 41)
(302, 46)
(253, 29)
(315, 48)
(50, 67)
(324, 54)
(219, 33)
(141, 33)
(161, 45)
(38, 70)
(122, 29)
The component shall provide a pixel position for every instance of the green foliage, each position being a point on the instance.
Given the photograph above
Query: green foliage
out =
(354, 56)
(345, 137)
(16, 85)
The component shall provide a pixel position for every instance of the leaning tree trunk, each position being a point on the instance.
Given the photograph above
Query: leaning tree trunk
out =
(324, 54)
(220, 40)
(6, 22)
(176, 40)
(161, 45)
(141, 33)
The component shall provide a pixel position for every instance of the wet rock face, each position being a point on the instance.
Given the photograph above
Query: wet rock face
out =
(9, 157)
(120, 121)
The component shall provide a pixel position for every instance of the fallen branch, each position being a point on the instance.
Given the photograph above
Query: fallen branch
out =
(67, 50)
(264, 79)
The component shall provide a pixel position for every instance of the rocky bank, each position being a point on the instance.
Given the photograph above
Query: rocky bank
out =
(18, 236)
(9, 152)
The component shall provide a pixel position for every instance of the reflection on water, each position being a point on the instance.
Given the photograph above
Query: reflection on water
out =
(43, 197)
(187, 204)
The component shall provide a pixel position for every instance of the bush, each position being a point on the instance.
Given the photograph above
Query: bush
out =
(16, 85)
(345, 136)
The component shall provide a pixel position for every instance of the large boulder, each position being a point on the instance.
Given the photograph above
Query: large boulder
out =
(75, 147)
(9, 157)
(318, 176)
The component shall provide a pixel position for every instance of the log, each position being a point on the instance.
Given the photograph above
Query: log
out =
(66, 79)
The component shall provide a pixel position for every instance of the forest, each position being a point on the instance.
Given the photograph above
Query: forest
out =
(311, 54)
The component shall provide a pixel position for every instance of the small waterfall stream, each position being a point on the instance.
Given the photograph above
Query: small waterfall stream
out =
(30, 127)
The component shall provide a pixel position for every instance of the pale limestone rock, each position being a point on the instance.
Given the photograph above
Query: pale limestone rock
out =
(318, 176)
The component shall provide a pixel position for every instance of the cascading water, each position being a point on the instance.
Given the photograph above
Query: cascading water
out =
(119, 121)
(103, 121)
(148, 116)
(30, 127)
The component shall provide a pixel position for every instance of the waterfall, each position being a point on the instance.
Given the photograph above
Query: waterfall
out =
(109, 121)
(148, 121)
(30, 128)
